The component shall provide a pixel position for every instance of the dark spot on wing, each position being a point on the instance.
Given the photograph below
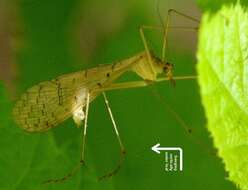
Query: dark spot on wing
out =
(59, 93)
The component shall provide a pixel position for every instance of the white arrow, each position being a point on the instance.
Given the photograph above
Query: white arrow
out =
(156, 148)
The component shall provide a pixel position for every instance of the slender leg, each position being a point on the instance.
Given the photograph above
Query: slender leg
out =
(183, 124)
(178, 118)
(142, 28)
(165, 28)
(141, 83)
(123, 152)
(142, 34)
(157, 27)
(77, 167)
(85, 128)
(167, 23)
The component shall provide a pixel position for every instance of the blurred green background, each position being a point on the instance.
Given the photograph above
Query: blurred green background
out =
(42, 39)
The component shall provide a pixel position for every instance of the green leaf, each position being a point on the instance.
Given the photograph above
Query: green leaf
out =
(210, 5)
(49, 36)
(213, 6)
(223, 79)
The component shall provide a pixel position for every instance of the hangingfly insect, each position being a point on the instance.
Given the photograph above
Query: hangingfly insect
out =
(49, 103)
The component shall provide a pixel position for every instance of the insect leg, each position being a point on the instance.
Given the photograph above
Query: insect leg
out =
(77, 167)
(154, 27)
(85, 128)
(189, 131)
(142, 83)
(172, 112)
(165, 29)
(167, 23)
(123, 152)
(142, 34)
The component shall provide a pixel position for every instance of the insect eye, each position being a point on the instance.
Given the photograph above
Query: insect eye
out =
(165, 68)
(169, 65)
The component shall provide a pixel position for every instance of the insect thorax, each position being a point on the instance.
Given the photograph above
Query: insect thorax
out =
(148, 69)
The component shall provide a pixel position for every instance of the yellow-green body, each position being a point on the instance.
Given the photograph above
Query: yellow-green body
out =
(49, 103)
